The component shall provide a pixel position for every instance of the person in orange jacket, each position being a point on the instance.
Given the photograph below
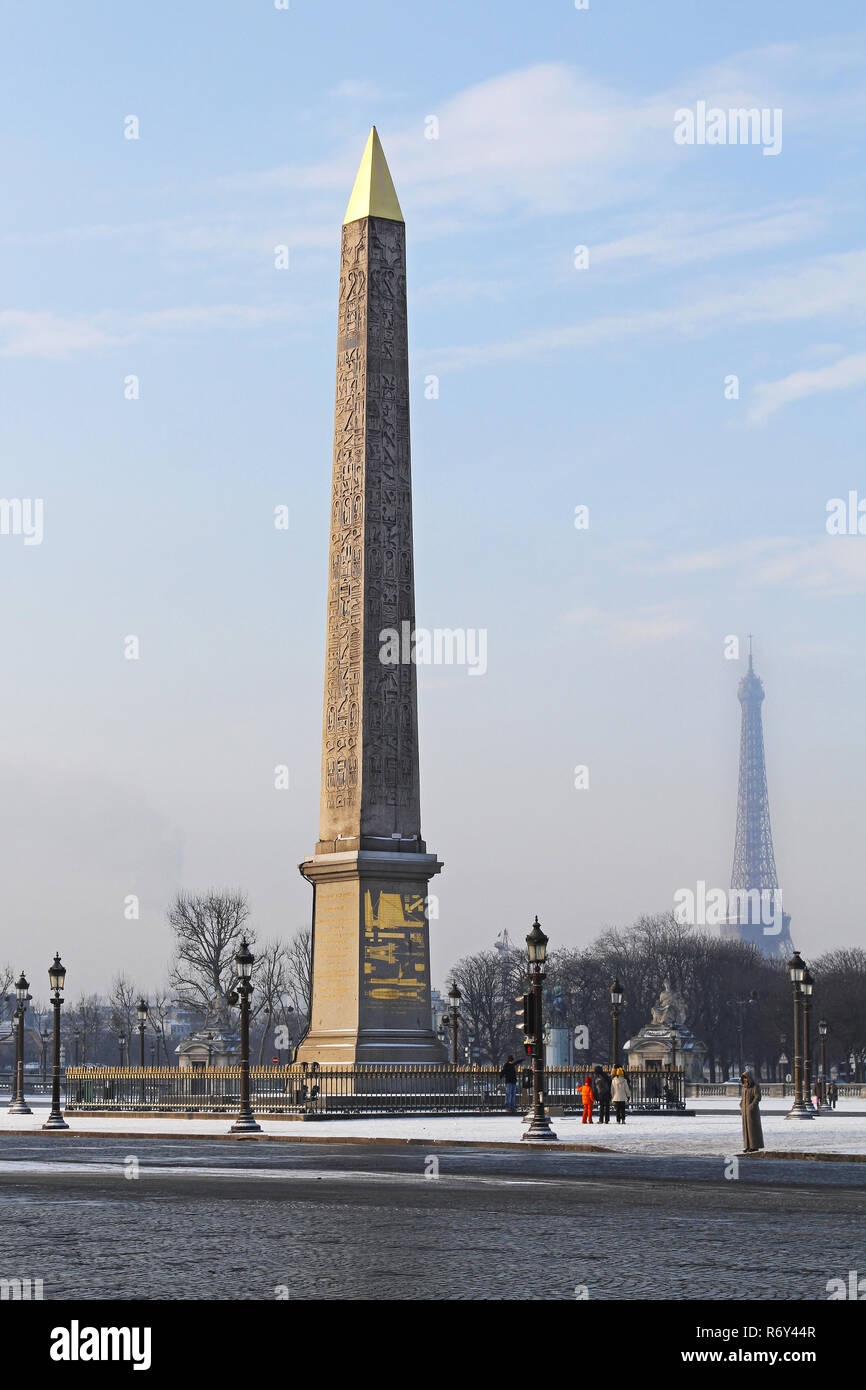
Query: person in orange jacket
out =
(586, 1092)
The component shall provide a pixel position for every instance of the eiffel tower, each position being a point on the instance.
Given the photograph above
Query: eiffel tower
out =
(755, 905)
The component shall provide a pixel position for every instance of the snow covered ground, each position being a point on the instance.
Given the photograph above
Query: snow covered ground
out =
(843, 1132)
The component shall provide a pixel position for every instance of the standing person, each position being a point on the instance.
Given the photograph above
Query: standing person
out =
(601, 1086)
(833, 1094)
(586, 1092)
(621, 1095)
(526, 1080)
(750, 1108)
(509, 1076)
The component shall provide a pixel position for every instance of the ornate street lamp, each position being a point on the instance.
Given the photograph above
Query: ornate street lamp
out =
(141, 1015)
(797, 970)
(807, 986)
(121, 1044)
(615, 1006)
(19, 1106)
(46, 1038)
(825, 1080)
(56, 981)
(454, 998)
(536, 946)
(244, 960)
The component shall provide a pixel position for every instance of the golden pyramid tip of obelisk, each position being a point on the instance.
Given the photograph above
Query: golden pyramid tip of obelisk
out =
(373, 194)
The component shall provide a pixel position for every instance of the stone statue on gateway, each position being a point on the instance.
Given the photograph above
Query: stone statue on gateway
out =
(671, 1008)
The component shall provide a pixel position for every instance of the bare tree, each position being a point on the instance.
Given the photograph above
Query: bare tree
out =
(7, 996)
(489, 982)
(122, 1000)
(88, 1018)
(298, 996)
(840, 996)
(158, 1014)
(270, 978)
(208, 929)
(729, 988)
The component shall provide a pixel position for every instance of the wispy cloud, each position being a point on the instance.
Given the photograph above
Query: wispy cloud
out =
(833, 286)
(823, 566)
(24, 334)
(551, 137)
(770, 396)
(545, 139)
(459, 289)
(636, 628)
(245, 232)
(356, 89)
(685, 237)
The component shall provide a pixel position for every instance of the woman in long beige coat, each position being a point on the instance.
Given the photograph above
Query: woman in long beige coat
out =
(750, 1109)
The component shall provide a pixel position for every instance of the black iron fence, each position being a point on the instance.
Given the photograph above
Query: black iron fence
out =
(306, 1089)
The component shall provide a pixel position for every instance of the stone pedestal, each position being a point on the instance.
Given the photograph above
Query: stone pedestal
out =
(371, 959)
(659, 1045)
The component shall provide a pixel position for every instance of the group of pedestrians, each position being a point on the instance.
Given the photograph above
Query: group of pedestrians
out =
(601, 1090)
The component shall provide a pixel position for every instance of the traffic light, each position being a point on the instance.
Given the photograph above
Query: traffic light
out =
(526, 1017)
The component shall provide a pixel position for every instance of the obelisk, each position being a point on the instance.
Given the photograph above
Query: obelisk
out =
(371, 870)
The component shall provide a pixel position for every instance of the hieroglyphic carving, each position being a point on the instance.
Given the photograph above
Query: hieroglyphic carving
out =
(396, 956)
(370, 746)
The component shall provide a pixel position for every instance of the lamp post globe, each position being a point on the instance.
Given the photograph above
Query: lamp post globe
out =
(56, 980)
(536, 945)
(56, 975)
(244, 960)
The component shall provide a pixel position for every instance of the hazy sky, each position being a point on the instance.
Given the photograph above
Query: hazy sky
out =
(559, 386)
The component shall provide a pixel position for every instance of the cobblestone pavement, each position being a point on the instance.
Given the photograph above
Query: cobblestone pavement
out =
(214, 1221)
